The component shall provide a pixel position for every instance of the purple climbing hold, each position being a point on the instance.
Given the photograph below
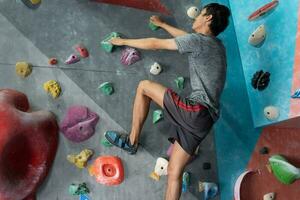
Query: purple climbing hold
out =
(73, 58)
(79, 123)
(130, 56)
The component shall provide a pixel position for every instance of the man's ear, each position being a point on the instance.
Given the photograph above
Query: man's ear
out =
(208, 18)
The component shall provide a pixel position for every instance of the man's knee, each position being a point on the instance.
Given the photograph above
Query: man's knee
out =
(143, 86)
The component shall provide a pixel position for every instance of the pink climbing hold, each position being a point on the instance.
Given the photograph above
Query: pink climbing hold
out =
(82, 50)
(72, 59)
(130, 56)
(79, 123)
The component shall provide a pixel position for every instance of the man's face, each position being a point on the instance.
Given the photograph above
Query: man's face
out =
(201, 20)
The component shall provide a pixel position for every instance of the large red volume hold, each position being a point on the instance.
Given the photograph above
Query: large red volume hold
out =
(28, 144)
(150, 5)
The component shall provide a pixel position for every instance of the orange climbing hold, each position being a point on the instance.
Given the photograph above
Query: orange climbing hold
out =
(53, 61)
(107, 170)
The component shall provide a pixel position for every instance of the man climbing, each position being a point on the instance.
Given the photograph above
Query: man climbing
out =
(191, 117)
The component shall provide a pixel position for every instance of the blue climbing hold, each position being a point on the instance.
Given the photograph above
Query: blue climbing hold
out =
(296, 95)
(84, 197)
(210, 189)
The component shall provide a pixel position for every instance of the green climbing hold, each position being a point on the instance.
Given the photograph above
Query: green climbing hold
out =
(179, 82)
(106, 143)
(106, 88)
(153, 27)
(79, 189)
(106, 45)
(157, 116)
(285, 172)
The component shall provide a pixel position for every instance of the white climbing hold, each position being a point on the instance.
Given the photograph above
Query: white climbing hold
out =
(258, 36)
(193, 12)
(155, 69)
(271, 112)
(270, 196)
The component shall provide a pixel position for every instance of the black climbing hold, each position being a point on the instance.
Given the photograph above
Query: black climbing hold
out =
(264, 150)
(206, 166)
(260, 80)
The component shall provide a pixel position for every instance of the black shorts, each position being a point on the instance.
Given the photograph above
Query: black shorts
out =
(190, 122)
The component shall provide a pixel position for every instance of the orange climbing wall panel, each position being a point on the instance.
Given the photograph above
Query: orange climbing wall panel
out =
(284, 141)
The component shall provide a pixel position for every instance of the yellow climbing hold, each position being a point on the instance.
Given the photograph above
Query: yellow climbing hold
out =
(35, 1)
(23, 69)
(80, 160)
(53, 88)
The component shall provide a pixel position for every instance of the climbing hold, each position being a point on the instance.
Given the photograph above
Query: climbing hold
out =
(78, 189)
(72, 59)
(155, 69)
(157, 116)
(263, 10)
(285, 172)
(28, 146)
(82, 50)
(179, 82)
(106, 45)
(271, 113)
(185, 181)
(23, 69)
(270, 196)
(129, 56)
(84, 197)
(33, 4)
(106, 88)
(160, 169)
(296, 94)
(81, 159)
(52, 61)
(79, 123)
(238, 183)
(193, 12)
(53, 88)
(258, 36)
(108, 170)
(264, 150)
(260, 80)
(153, 27)
(210, 189)
(206, 166)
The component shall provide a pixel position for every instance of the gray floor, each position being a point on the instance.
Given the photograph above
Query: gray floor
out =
(52, 30)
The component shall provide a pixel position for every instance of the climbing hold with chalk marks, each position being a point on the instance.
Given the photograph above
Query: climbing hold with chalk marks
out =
(130, 56)
(53, 88)
(82, 50)
(106, 88)
(106, 45)
(23, 69)
(73, 58)
(155, 69)
(157, 116)
(179, 82)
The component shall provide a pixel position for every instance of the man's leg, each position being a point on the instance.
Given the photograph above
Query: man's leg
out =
(179, 159)
(146, 91)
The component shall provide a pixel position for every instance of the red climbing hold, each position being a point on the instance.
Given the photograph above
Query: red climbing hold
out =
(108, 170)
(28, 144)
(82, 50)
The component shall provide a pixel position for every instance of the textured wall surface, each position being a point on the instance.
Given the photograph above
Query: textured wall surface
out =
(276, 55)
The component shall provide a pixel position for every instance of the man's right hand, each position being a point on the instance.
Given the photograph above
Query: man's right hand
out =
(156, 20)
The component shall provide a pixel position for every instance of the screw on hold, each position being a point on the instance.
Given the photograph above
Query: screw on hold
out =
(106, 45)
(179, 82)
(106, 143)
(106, 88)
(206, 166)
(185, 181)
(260, 80)
(264, 150)
(296, 94)
(153, 27)
(157, 116)
(78, 189)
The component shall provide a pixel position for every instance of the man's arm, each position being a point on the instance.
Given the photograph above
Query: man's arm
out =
(146, 43)
(175, 32)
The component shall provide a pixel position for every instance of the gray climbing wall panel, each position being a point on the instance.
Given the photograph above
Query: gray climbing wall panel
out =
(51, 31)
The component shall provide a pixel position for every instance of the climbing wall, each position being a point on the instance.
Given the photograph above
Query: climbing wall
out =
(52, 30)
(275, 55)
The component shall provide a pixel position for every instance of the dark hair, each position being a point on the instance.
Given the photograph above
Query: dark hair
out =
(220, 15)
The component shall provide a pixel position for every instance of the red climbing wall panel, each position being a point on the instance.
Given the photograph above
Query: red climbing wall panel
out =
(150, 5)
(283, 141)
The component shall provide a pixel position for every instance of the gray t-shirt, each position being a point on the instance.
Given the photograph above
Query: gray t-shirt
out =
(207, 60)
